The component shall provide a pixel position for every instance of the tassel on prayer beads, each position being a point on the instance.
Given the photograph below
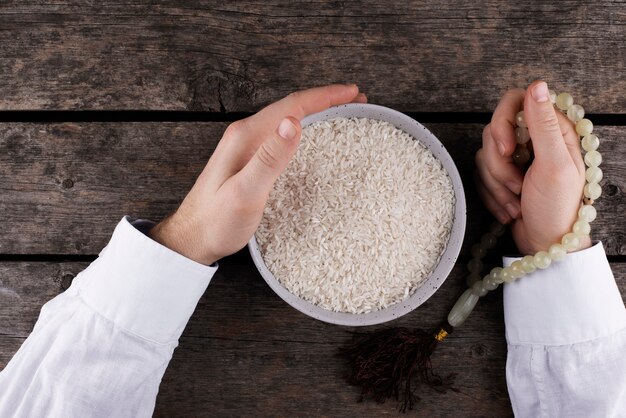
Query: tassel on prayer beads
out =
(390, 363)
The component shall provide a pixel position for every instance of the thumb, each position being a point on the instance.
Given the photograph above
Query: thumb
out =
(271, 158)
(543, 125)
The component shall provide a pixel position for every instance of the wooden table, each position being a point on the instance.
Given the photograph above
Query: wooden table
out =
(113, 108)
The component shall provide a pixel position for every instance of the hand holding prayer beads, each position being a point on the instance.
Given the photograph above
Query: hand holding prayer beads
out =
(550, 222)
(557, 251)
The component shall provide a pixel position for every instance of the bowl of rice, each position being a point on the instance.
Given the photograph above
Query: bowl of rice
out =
(366, 222)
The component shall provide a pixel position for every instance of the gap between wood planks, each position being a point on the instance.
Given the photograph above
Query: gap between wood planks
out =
(52, 116)
(81, 258)
(56, 116)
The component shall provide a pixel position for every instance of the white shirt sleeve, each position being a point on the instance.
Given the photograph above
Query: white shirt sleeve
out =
(566, 335)
(100, 348)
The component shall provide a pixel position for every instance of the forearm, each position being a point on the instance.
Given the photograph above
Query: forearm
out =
(566, 333)
(101, 348)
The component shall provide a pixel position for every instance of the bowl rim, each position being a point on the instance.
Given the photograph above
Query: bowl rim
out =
(448, 257)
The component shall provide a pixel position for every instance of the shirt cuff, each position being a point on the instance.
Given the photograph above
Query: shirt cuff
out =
(143, 286)
(574, 300)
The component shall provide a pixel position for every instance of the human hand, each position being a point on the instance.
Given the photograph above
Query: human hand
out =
(225, 205)
(551, 189)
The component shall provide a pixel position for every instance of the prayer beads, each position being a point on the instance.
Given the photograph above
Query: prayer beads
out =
(570, 242)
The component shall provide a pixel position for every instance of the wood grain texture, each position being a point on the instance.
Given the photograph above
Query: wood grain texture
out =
(65, 186)
(246, 352)
(234, 56)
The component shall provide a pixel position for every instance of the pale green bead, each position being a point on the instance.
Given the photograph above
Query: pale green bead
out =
(542, 260)
(462, 308)
(593, 159)
(479, 289)
(489, 282)
(590, 142)
(507, 274)
(581, 228)
(570, 241)
(557, 252)
(587, 213)
(593, 174)
(471, 279)
(592, 191)
(521, 135)
(495, 275)
(520, 120)
(521, 156)
(528, 265)
(575, 113)
(497, 229)
(552, 96)
(478, 251)
(584, 127)
(516, 269)
(475, 265)
(488, 240)
(564, 101)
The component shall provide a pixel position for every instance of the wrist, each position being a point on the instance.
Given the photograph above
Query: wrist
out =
(584, 244)
(183, 238)
(532, 248)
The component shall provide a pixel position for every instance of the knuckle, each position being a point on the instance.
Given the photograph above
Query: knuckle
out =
(296, 100)
(480, 156)
(501, 195)
(295, 95)
(483, 163)
(493, 172)
(486, 131)
(568, 128)
(548, 122)
(498, 130)
(267, 156)
(235, 129)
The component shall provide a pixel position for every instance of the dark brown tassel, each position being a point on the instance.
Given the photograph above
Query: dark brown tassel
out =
(393, 362)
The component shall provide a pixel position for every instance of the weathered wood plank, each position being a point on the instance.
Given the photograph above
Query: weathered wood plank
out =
(234, 56)
(247, 352)
(65, 186)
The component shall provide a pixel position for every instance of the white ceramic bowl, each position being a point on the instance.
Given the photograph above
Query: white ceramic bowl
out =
(448, 258)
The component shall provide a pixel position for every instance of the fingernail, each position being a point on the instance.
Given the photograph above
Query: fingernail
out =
(501, 148)
(287, 130)
(512, 209)
(540, 92)
(513, 186)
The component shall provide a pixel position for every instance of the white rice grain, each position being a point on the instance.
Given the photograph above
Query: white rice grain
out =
(360, 217)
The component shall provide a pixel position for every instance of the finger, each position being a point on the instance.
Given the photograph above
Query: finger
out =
(302, 103)
(271, 158)
(543, 124)
(501, 168)
(243, 138)
(572, 140)
(503, 121)
(502, 195)
(490, 202)
(255, 129)
(360, 98)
